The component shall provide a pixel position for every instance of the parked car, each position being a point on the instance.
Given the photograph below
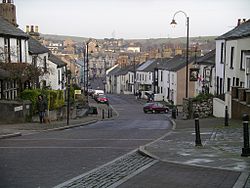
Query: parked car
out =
(102, 99)
(155, 107)
(97, 93)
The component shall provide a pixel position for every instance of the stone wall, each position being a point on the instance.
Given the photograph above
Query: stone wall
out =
(203, 108)
(14, 111)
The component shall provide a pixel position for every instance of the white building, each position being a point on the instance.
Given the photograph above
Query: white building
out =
(233, 61)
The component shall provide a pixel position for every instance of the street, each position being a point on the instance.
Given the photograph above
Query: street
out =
(49, 158)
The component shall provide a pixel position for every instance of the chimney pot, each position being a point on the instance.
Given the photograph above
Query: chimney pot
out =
(9, 1)
(27, 29)
(32, 28)
(36, 29)
(244, 20)
(239, 20)
(4, 1)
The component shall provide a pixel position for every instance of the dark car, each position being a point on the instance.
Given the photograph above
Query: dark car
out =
(102, 99)
(155, 107)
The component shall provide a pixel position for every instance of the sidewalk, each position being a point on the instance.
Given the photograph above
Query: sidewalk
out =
(221, 146)
(10, 130)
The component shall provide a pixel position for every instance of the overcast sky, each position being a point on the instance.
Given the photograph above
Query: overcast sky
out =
(131, 19)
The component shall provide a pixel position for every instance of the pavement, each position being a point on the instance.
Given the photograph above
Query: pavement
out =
(13, 130)
(221, 146)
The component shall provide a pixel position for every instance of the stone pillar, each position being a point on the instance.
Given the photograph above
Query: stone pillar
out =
(248, 96)
(242, 94)
(235, 93)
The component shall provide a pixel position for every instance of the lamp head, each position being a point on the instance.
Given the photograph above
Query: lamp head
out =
(173, 22)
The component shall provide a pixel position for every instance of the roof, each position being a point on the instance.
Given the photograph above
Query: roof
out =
(145, 65)
(114, 71)
(7, 29)
(35, 47)
(176, 63)
(57, 61)
(241, 31)
(4, 74)
(208, 58)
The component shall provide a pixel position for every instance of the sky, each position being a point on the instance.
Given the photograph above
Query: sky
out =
(131, 19)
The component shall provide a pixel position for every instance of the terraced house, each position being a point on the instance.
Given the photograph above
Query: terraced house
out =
(233, 68)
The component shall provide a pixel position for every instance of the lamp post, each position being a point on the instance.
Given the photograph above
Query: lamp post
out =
(187, 47)
(68, 98)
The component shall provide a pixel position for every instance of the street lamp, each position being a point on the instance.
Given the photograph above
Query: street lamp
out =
(86, 71)
(187, 47)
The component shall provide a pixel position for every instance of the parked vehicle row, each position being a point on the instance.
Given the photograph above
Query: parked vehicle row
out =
(99, 96)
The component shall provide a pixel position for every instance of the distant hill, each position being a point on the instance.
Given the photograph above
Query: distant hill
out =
(144, 42)
(63, 37)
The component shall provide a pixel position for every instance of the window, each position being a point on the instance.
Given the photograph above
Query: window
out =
(34, 61)
(19, 50)
(59, 77)
(161, 75)
(45, 64)
(228, 84)
(233, 81)
(232, 57)
(242, 65)
(7, 50)
(237, 81)
(242, 84)
(221, 52)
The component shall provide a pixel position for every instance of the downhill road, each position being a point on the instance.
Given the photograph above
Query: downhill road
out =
(47, 159)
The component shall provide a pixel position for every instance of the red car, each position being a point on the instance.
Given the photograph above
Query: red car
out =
(102, 99)
(155, 107)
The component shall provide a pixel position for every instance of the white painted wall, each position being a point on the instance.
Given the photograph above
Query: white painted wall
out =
(218, 107)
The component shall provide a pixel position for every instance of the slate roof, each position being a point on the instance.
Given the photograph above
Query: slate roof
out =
(57, 61)
(114, 71)
(208, 58)
(7, 29)
(4, 74)
(241, 31)
(35, 47)
(176, 63)
(145, 65)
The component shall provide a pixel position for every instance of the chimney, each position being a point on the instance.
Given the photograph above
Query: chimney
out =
(4, 1)
(9, 1)
(239, 20)
(36, 28)
(244, 20)
(27, 29)
(32, 29)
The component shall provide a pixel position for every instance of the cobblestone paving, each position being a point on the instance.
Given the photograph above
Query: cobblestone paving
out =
(112, 173)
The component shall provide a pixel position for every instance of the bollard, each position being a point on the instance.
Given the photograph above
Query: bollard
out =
(177, 111)
(108, 114)
(197, 130)
(226, 116)
(246, 149)
(102, 113)
(111, 115)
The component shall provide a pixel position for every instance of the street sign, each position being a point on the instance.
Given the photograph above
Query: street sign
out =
(78, 92)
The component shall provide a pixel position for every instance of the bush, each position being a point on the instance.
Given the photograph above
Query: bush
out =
(202, 97)
(54, 98)
(32, 96)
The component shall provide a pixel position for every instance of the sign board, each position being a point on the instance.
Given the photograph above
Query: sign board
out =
(18, 108)
(78, 92)
(193, 74)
